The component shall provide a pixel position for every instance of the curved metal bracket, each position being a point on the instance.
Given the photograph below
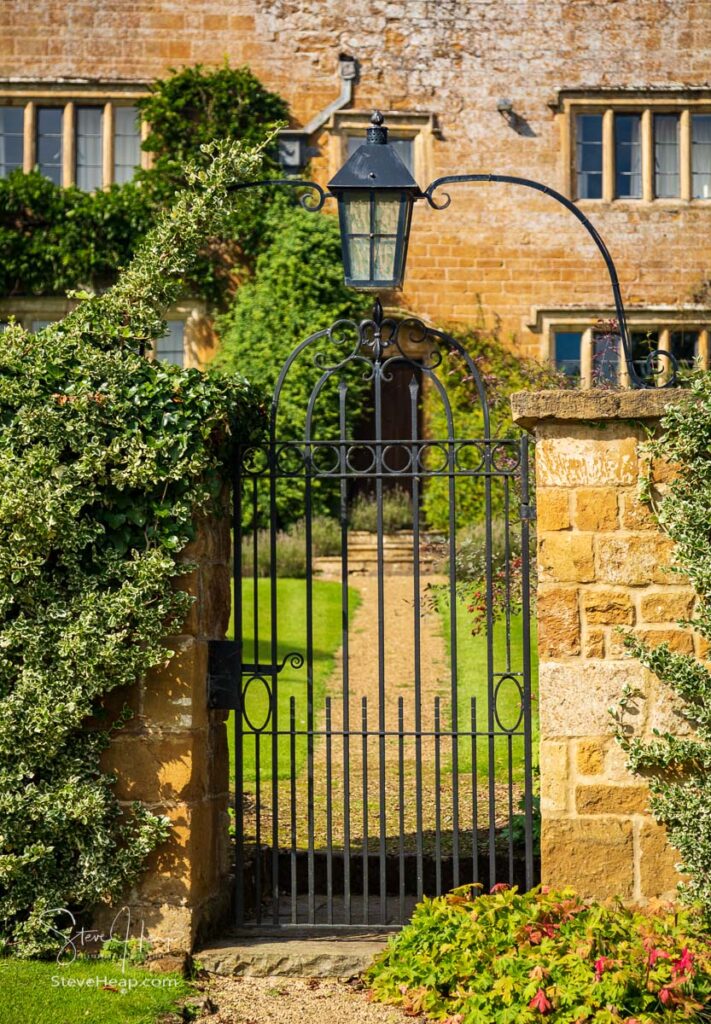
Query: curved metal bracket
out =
(655, 362)
(309, 202)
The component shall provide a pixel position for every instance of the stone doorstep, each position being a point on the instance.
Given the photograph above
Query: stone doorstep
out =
(297, 955)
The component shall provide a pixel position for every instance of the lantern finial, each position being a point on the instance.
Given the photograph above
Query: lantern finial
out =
(377, 132)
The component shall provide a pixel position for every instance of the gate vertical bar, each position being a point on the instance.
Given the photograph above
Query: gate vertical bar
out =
(526, 615)
(414, 396)
(345, 611)
(308, 512)
(491, 689)
(274, 675)
(238, 736)
(381, 637)
(453, 661)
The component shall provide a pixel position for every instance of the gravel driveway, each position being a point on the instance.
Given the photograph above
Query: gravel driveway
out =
(294, 1001)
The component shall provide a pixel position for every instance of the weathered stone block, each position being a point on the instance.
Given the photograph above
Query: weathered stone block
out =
(215, 605)
(554, 775)
(574, 696)
(175, 693)
(632, 559)
(594, 644)
(665, 711)
(657, 862)
(635, 514)
(609, 799)
(676, 639)
(565, 558)
(558, 622)
(667, 605)
(157, 768)
(595, 508)
(170, 928)
(552, 509)
(590, 757)
(587, 457)
(608, 607)
(190, 584)
(596, 856)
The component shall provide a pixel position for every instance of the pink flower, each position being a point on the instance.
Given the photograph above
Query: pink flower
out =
(601, 965)
(657, 954)
(540, 1002)
(685, 963)
(499, 887)
(666, 996)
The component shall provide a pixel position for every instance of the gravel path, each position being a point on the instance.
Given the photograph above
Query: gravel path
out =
(295, 1001)
(363, 681)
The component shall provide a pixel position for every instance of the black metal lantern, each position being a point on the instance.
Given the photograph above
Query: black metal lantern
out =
(375, 194)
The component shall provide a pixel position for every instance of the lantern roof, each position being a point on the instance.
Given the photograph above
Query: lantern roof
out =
(374, 164)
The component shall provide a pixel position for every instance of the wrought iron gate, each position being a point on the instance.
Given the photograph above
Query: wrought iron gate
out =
(349, 806)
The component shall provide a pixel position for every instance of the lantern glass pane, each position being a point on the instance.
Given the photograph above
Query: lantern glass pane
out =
(384, 268)
(357, 215)
(387, 213)
(360, 258)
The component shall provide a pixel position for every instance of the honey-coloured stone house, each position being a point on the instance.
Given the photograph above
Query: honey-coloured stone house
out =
(608, 102)
(551, 91)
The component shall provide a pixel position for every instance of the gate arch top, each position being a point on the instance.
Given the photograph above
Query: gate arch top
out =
(375, 345)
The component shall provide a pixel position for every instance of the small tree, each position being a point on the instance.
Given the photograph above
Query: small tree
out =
(679, 768)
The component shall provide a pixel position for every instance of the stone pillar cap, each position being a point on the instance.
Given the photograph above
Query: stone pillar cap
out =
(529, 408)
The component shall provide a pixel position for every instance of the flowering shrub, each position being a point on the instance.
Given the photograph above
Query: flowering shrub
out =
(507, 958)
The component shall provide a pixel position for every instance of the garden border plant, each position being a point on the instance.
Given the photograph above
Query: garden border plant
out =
(106, 458)
(513, 958)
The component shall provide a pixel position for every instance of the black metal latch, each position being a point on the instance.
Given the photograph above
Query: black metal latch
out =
(224, 674)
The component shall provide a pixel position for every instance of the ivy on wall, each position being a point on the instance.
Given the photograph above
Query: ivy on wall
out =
(105, 458)
(53, 239)
(678, 769)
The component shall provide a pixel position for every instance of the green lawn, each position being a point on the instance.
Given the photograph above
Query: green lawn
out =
(472, 682)
(291, 618)
(33, 992)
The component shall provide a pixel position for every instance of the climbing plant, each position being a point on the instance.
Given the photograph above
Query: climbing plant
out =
(297, 289)
(678, 768)
(54, 239)
(105, 458)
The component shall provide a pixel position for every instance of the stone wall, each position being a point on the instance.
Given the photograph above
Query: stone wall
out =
(515, 252)
(173, 757)
(603, 564)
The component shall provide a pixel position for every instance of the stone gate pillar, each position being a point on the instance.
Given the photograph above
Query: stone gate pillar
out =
(172, 756)
(602, 564)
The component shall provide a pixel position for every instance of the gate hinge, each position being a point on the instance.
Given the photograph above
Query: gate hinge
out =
(528, 512)
(224, 674)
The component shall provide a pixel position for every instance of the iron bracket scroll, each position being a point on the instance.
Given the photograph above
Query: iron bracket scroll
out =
(225, 671)
(654, 364)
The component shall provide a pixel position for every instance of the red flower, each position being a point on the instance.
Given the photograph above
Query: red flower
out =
(601, 965)
(685, 963)
(499, 887)
(540, 1002)
(666, 996)
(657, 954)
